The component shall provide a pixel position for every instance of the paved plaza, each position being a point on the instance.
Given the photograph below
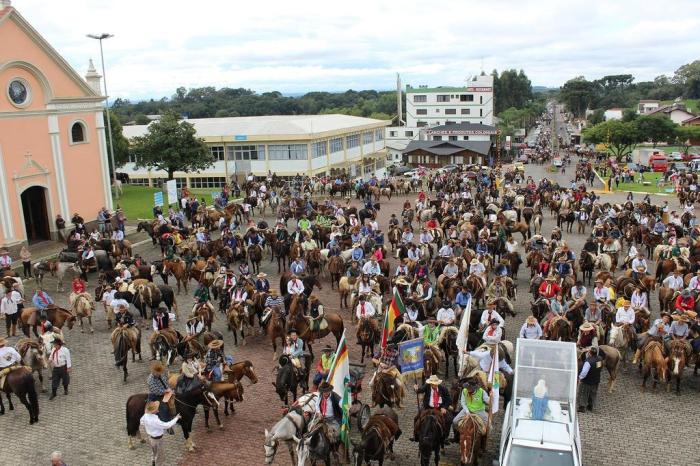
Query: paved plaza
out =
(627, 428)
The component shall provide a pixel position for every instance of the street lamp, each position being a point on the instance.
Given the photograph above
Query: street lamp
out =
(109, 121)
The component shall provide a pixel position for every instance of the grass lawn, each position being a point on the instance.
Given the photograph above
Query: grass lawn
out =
(137, 201)
(649, 188)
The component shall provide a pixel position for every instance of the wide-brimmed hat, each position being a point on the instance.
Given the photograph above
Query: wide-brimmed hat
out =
(474, 261)
(550, 277)
(216, 344)
(356, 245)
(313, 297)
(187, 370)
(262, 275)
(292, 330)
(598, 281)
(325, 387)
(532, 320)
(401, 281)
(626, 302)
(640, 268)
(152, 407)
(433, 380)
(157, 367)
(491, 302)
(691, 314)
(683, 318)
(57, 341)
(586, 327)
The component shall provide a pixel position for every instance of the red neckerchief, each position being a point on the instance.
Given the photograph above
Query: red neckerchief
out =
(362, 309)
(491, 331)
(436, 397)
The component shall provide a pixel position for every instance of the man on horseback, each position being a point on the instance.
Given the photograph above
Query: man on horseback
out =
(477, 268)
(201, 296)
(436, 396)
(493, 333)
(328, 409)
(474, 400)
(214, 360)
(684, 302)
(624, 317)
(365, 310)
(658, 331)
(324, 366)
(9, 358)
(446, 315)
(294, 348)
(639, 266)
(587, 336)
(42, 301)
(159, 390)
(316, 313)
(262, 284)
(489, 314)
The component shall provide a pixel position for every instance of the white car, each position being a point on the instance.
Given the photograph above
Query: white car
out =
(675, 156)
(557, 162)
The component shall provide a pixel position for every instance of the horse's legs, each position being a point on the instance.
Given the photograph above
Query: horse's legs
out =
(41, 381)
(2, 406)
(206, 419)
(9, 401)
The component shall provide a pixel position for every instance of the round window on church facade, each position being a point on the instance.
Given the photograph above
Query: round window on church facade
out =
(18, 92)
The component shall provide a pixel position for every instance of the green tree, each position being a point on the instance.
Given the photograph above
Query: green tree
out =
(688, 77)
(121, 144)
(620, 136)
(578, 95)
(629, 115)
(656, 128)
(687, 136)
(171, 145)
(598, 116)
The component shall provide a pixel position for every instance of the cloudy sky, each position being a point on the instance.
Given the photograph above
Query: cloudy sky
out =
(304, 45)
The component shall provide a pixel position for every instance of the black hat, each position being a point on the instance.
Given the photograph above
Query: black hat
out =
(292, 330)
(325, 387)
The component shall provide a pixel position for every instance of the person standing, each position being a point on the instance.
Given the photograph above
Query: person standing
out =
(60, 360)
(10, 307)
(155, 429)
(589, 379)
(5, 261)
(26, 257)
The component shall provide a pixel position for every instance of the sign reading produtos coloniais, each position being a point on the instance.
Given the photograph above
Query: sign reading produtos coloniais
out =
(465, 132)
(479, 89)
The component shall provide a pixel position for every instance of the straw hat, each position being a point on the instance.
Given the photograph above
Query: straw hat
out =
(262, 275)
(157, 367)
(531, 320)
(683, 318)
(152, 407)
(691, 314)
(401, 281)
(586, 327)
(215, 344)
(433, 380)
(491, 302)
(550, 277)
(474, 261)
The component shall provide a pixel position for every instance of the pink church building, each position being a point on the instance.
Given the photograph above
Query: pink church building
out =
(53, 152)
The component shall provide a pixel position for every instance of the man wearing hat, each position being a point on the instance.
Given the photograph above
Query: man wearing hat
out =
(425, 237)
(297, 267)
(155, 428)
(451, 270)
(402, 268)
(431, 332)
(446, 315)
(214, 360)
(61, 362)
(371, 267)
(474, 400)
(639, 266)
(587, 336)
(158, 389)
(328, 408)
(624, 317)
(674, 281)
(658, 331)
(531, 329)
(9, 357)
(323, 366)
(490, 314)
(684, 302)
(549, 288)
(262, 284)
(589, 379)
(601, 293)
(435, 396)
(294, 347)
(493, 333)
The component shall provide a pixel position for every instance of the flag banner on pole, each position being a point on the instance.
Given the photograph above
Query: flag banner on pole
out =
(411, 356)
(463, 334)
(494, 380)
(339, 377)
(396, 309)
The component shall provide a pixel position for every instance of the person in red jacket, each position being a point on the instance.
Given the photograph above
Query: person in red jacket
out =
(684, 302)
(78, 286)
(549, 288)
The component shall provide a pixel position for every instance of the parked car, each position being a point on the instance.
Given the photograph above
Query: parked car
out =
(410, 173)
(675, 156)
(448, 168)
(557, 162)
(400, 170)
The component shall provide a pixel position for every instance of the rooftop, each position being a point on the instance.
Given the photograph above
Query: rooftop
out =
(463, 127)
(272, 125)
(449, 147)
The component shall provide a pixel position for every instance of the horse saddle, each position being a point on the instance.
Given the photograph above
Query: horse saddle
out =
(186, 385)
(480, 424)
(317, 324)
(5, 371)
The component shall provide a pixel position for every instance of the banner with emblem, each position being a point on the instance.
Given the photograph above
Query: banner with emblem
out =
(411, 356)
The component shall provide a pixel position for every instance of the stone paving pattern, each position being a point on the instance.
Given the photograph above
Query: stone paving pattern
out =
(628, 427)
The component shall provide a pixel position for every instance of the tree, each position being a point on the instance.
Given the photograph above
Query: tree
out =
(578, 95)
(687, 136)
(171, 145)
(620, 136)
(628, 115)
(598, 116)
(688, 77)
(141, 119)
(121, 144)
(656, 128)
(511, 89)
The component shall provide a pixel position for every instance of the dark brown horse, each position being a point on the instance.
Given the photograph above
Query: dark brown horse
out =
(303, 324)
(336, 267)
(276, 328)
(123, 340)
(367, 337)
(56, 315)
(21, 382)
(255, 253)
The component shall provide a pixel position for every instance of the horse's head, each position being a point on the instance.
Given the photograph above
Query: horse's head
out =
(249, 372)
(270, 447)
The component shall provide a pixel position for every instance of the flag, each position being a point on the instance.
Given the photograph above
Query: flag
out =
(339, 377)
(463, 334)
(494, 381)
(396, 308)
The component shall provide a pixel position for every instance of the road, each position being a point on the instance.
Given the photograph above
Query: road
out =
(627, 428)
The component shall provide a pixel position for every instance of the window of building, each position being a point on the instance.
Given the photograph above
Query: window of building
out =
(77, 133)
(336, 145)
(180, 182)
(352, 141)
(450, 111)
(409, 134)
(287, 152)
(481, 99)
(481, 112)
(453, 138)
(466, 98)
(465, 111)
(208, 182)
(217, 152)
(422, 124)
(318, 149)
(132, 157)
(249, 152)
(437, 110)
(420, 98)
(443, 98)
(421, 111)
(465, 138)
(392, 134)
(138, 181)
(379, 134)
(367, 137)
(437, 138)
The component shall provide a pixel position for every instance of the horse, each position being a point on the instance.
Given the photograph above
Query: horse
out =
(472, 433)
(303, 324)
(430, 434)
(618, 339)
(288, 379)
(388, 389)
(21, 382)
(676, 363)
(316, 445)
(336, 267)
(447, 342)
(56, 315)
(204, 312)
(255, 253)
(367, 337)
(280, 250)
(586, 263)
(559, 330)
(378, 438)
(285, 430)
(123, 340)
(653, 362)
(238, 321)
(34, 357)
(82, 307)
(276, 328)
(176, 268)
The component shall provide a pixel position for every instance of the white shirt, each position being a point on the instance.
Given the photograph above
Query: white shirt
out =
(637, 262)
(638, 299)
(531, 333)
(60, 357)
(446, 316)
(154, 426)
(119, 302)
(5, 261)
(486, 317)
(118, 235)
(413, 254)
(371, 269)
(624, 316)
(9, 302)
(694, 283)
(364, 288)
(485, 359)
(477, 268)
(675, 283)
(329, 406)
(445, 251)
(108, 297)
(511, 247)
(9, 356)
(601, 294)
(426, 238)
(295, 286)
(367, 311)
(493, 336)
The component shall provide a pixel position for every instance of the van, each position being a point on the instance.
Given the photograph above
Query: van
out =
(658, 163)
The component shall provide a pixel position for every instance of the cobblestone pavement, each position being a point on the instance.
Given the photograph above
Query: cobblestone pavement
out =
(628, 427)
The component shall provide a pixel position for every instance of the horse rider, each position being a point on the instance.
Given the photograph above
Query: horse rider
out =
(658, 331)
(9, 358)
(262, 284)
(624, 317)
(436, 397)
(531, 329)
(563, 269)
(549, 288)
(161, 319)
(316, 313)
(450, 270)
(680, 331)
(425, 237)
(489, 314)
(485, 358)
(694, 284)
(498, 290)
(214, 360)
(462, 299)
(684, 302)
(446, 315)
(477, 268)
(42, 301)
(493, 333)
(578, 295)
(371, 267)
(639, 266)
(323, 367)
(474, 400)
(297, 267)
(446, 250)
(365, 310)
(327, 407)
(202, 298)
(402, 268)
(123, 318)
(159, 390)
(423, 294)
(601, 293)
(294, 348)
(587, 336)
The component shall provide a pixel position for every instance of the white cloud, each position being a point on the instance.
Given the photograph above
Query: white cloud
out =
(316, 45)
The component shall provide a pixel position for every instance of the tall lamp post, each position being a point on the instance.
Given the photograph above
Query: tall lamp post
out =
(100, 37)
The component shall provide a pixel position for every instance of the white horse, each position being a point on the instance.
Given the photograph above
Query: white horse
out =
(617, 339)
(285, 430)
(603, 262)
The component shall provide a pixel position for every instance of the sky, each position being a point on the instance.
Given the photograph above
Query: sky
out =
(308, 45)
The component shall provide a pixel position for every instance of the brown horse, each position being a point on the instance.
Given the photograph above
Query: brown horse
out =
(377, 438)
(21, 382)
(255, 253)
(123, 340)
(336, 267)
(678, 355)
(303, 324)
(472, 433)
(367, 337)
(34, 357)
(230, 388)
(559, 330)
(276, 328)
(666, 295)
(121, 251)
(313, 261)
(654, 362)
(176, 268)
(56, 315)
(238, 321)
(476, 286)
(388, 389)
(204, 312)
(82, 307)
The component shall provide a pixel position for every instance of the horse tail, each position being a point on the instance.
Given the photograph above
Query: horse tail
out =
(659, 271)
(31, 394)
